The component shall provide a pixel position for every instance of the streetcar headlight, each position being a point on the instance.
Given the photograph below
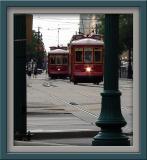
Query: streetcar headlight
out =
(88, 69)
(58, 69)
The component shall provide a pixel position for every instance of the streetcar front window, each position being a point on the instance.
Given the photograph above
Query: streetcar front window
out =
(88, 55)
(97, 55)
(58, 60)
(52, 59)
(65, 60)
(78, 52)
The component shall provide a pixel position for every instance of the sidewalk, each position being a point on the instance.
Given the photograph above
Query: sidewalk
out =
(70, 131)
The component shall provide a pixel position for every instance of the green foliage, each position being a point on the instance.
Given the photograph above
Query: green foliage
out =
(125, 31)
(35, 50)
(101, 25)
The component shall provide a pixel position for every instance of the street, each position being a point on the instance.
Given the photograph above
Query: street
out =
(55, 106)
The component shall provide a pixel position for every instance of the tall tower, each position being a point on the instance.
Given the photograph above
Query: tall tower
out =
(88, 23)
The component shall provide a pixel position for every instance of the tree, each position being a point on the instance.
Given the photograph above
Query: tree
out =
(125, 36)
(126, 39)
(36, 50)
(101, 24)
(126, 32)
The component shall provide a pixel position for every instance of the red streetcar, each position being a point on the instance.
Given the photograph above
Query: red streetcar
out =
(86, 59)
(58, 63)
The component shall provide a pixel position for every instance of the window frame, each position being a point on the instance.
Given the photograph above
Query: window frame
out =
(50, 59)
(87, 49)
(66, 59)
(101, 52)
(79, 49)
(60, 59)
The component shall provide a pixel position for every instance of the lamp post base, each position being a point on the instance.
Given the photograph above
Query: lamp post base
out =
(110, 139)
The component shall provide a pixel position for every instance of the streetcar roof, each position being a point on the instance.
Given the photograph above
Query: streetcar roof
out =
(87, 41)
(58, 51)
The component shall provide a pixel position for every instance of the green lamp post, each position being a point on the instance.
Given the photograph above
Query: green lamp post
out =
(111, 120)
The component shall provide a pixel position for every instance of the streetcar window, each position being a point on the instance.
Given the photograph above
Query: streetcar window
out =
(64, 59)
(97, 55)
(78, 54)
(58, 60)
(52, 59)
(88, 55)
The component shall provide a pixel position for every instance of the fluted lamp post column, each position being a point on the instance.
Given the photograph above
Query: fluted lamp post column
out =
(111, 120)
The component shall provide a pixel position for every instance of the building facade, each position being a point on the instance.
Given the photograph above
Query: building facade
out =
(88, 24)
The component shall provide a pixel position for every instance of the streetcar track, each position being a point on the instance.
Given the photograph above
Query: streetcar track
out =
(77, 92)
(49, 85)
(87, 85)
(70, 105)
(77, 106)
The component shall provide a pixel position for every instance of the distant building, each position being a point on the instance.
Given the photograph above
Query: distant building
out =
(124, 57)
(88, 24)
(124, 62)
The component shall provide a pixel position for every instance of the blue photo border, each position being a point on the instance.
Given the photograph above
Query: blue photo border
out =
(142, 5)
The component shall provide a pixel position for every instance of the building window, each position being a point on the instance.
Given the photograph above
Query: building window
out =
(78, 52)
(88, 55)
(97, 55)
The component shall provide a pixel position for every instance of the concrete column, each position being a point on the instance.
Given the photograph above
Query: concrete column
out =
(19, 76)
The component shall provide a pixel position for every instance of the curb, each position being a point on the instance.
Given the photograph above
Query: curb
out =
(30, 143)
(63, 134)
(67, 134)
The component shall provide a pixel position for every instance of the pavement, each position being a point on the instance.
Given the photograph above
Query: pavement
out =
(55, 117)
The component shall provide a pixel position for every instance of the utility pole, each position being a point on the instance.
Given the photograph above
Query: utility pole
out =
(38, 36)
(83, 26)
(96, 28)
(58, 35)
(38, 44)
